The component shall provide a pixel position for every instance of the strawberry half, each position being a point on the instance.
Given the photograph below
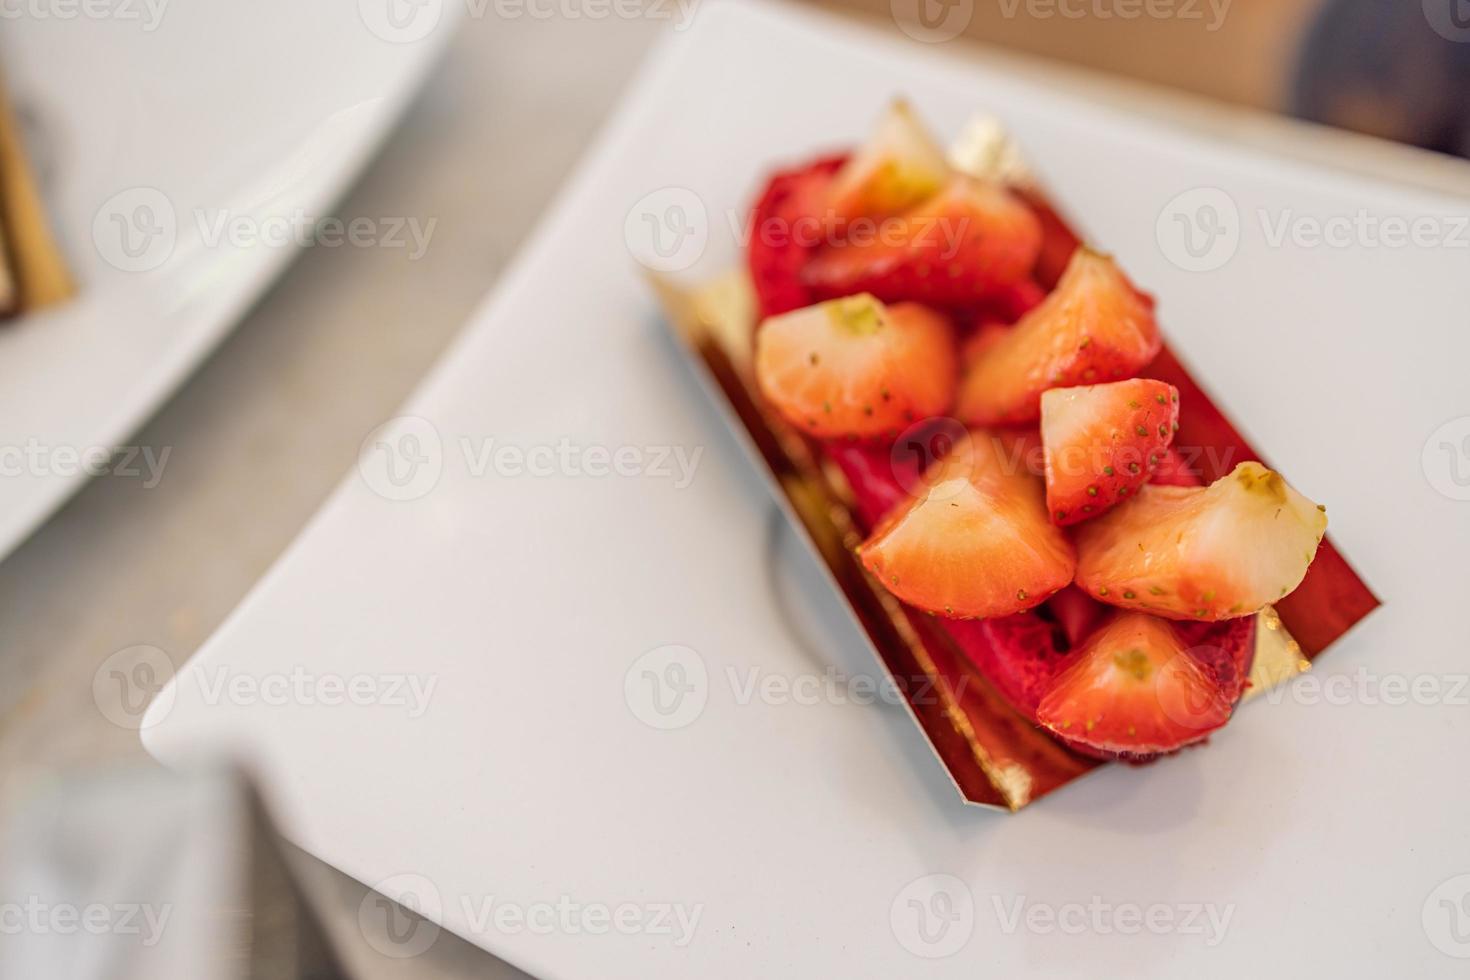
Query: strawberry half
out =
(975, 540)
(853, 367)
(1205, 553)
(1024, 655)
(1094, 327)
(962, 245)
(1134, 690)
(785, 227)
(1102, 442)
(898, 167)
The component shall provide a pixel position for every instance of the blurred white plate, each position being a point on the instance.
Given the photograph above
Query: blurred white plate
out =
(544, 764)
(164, 122)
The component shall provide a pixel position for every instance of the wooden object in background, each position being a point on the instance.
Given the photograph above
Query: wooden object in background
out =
(35, 274)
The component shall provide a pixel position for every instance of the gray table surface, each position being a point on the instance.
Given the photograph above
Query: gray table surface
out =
(267, 427)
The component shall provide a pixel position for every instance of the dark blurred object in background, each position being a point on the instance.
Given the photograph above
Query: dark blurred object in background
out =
(1399, 69)
(1391, 68)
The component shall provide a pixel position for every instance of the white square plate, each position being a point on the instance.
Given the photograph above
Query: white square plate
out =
(816, 836)
(147, 117)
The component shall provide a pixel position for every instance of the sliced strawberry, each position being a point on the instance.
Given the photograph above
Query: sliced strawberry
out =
(898, 167)
(1206, 553)
(1093, 327)
(955, 249)
(1102, 442)
(853, 367)
(1133, 689)
(974, 542)
(786, 226)
(1175, 471)
(1023, 655)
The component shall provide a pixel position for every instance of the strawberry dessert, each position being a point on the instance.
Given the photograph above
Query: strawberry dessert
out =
(983, 382)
